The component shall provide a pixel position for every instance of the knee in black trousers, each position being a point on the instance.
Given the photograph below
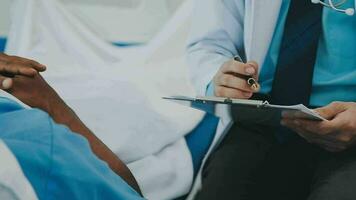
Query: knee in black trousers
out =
(229, 171)
(335, 177)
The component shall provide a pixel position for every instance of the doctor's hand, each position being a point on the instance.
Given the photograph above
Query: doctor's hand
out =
(335, 135)
(226, 84)
(11, 66)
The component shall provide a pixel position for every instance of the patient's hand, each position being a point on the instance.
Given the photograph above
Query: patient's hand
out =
(20, 77)
(11, 66)
(35, 92)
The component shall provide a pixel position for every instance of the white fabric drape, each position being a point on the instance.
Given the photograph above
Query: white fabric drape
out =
(13, 182)
(117, 91)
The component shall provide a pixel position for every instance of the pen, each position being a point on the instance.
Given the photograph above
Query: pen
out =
(250, 80)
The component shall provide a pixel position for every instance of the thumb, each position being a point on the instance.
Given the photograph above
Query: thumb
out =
(331, 110)
(5, 83)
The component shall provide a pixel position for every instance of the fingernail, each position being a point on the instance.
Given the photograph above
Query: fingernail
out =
(253, 64)
(250, 70)
(7, 83)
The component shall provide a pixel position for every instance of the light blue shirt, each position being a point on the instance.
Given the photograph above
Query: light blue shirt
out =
(58, 163)
(335, 66)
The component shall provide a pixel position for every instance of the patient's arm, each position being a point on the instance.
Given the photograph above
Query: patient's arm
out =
(62, 114)
(35, 92)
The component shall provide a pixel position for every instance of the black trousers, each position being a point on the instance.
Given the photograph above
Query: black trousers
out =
(250, 164)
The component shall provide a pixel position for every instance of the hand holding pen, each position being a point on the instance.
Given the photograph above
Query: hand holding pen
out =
(237, 79)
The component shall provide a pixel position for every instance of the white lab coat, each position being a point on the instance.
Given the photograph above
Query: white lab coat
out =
(220, 30)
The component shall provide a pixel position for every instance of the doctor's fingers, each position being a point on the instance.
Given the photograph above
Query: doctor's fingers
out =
(222, 91)
(248, 69)
(321, 140)
(5, 83)
(233, 82)
(302, 133)
(330, 146)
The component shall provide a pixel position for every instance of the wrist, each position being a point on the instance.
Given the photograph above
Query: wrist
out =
(59, 110)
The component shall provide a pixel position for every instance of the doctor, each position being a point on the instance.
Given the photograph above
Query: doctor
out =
(300, 52)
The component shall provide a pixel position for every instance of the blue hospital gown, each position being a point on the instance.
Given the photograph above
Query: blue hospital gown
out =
(58, 163)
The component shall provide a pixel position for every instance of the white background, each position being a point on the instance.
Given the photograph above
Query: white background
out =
(111, 20)
(4, 16)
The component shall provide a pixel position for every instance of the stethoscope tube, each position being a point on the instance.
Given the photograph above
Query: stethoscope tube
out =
(332, 5)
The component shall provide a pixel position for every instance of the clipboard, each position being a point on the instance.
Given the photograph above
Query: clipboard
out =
(245, 111)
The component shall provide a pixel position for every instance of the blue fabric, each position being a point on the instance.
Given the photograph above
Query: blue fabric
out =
(58, 163)
(2, 44)
(268, 68)
(335, 68)
(200, 139)
(126, 44)
(3, 41)
(336, 63)
(210, 90)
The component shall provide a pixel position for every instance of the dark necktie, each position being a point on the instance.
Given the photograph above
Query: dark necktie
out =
(294, 73)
